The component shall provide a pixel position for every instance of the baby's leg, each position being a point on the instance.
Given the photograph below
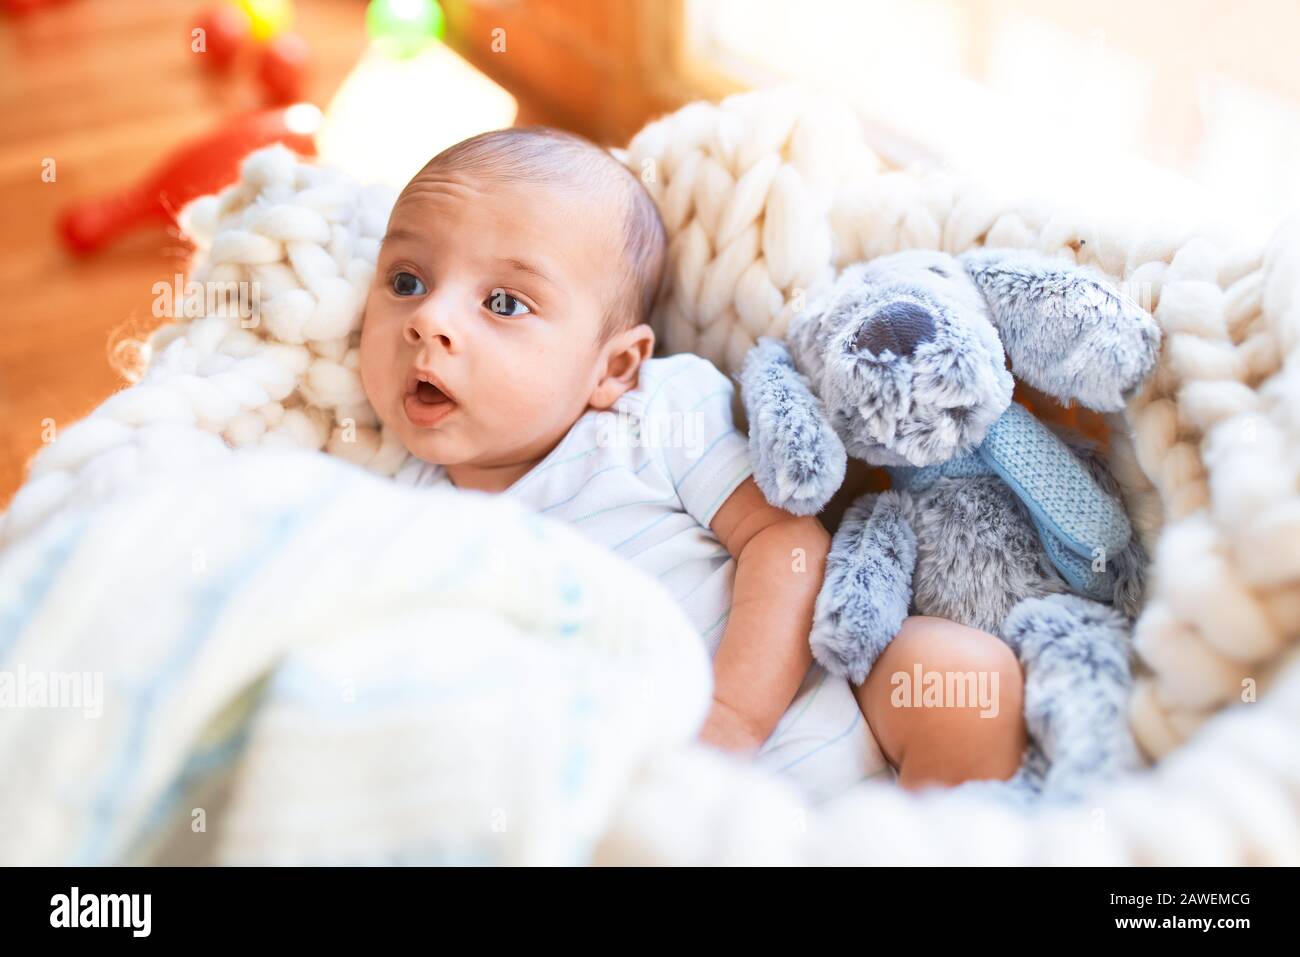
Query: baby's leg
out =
(946, 704)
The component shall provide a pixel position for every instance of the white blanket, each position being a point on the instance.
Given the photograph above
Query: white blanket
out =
(276, 657)
(372, 674)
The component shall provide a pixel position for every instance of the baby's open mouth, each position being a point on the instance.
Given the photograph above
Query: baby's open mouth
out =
(430, 394)
(426, 402)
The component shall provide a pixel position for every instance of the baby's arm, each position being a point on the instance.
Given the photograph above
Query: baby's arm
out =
(764, 655)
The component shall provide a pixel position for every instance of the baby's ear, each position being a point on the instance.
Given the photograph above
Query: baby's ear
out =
(798, 459)
(621, 359)
(1066, 329)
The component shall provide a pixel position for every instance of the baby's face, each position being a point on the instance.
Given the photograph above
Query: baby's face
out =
(479, 342)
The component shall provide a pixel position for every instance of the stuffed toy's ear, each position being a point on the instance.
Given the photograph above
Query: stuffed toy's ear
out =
(1066, 330)
(798, 459)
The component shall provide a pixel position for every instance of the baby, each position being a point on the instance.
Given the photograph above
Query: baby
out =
(506, 342)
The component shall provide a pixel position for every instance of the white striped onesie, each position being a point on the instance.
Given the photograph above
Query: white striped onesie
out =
(645, 480)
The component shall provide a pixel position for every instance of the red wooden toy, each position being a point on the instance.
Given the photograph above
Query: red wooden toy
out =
(26, 6)
(283, 70)
(202, 166)
(225, 29)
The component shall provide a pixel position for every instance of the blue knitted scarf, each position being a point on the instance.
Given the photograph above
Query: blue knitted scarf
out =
(1080, 525)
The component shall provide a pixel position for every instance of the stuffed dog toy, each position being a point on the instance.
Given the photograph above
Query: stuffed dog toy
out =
(992, 520)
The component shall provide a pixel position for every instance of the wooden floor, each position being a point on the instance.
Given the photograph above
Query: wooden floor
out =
(104, 88)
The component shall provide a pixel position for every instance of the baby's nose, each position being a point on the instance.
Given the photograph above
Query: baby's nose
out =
(424, 326)
(897, 327)
(415, 336)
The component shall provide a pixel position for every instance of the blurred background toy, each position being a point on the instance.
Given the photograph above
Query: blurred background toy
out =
(225, 28)
(202, 166)
(402, 28)
(268, 18)
(26, 6)
(283, 68)
(262, 28)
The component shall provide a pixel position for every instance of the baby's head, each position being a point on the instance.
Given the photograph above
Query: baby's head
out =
(513, 292)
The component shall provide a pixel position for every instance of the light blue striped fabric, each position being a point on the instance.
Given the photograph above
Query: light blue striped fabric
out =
(645, 480)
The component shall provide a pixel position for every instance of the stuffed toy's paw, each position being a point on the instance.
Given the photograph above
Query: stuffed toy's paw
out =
(1022, 790)
(798, 459)
(1077, 682)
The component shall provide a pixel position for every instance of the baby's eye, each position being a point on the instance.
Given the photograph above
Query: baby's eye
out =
(407, 284)
(504, 304)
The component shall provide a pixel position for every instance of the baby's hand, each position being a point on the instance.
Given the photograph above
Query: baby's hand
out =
(729, 730)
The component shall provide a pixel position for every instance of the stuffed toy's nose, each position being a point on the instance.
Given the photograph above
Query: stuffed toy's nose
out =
(898, 327)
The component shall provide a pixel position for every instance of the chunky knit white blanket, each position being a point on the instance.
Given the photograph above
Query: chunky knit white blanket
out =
(764, 197)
